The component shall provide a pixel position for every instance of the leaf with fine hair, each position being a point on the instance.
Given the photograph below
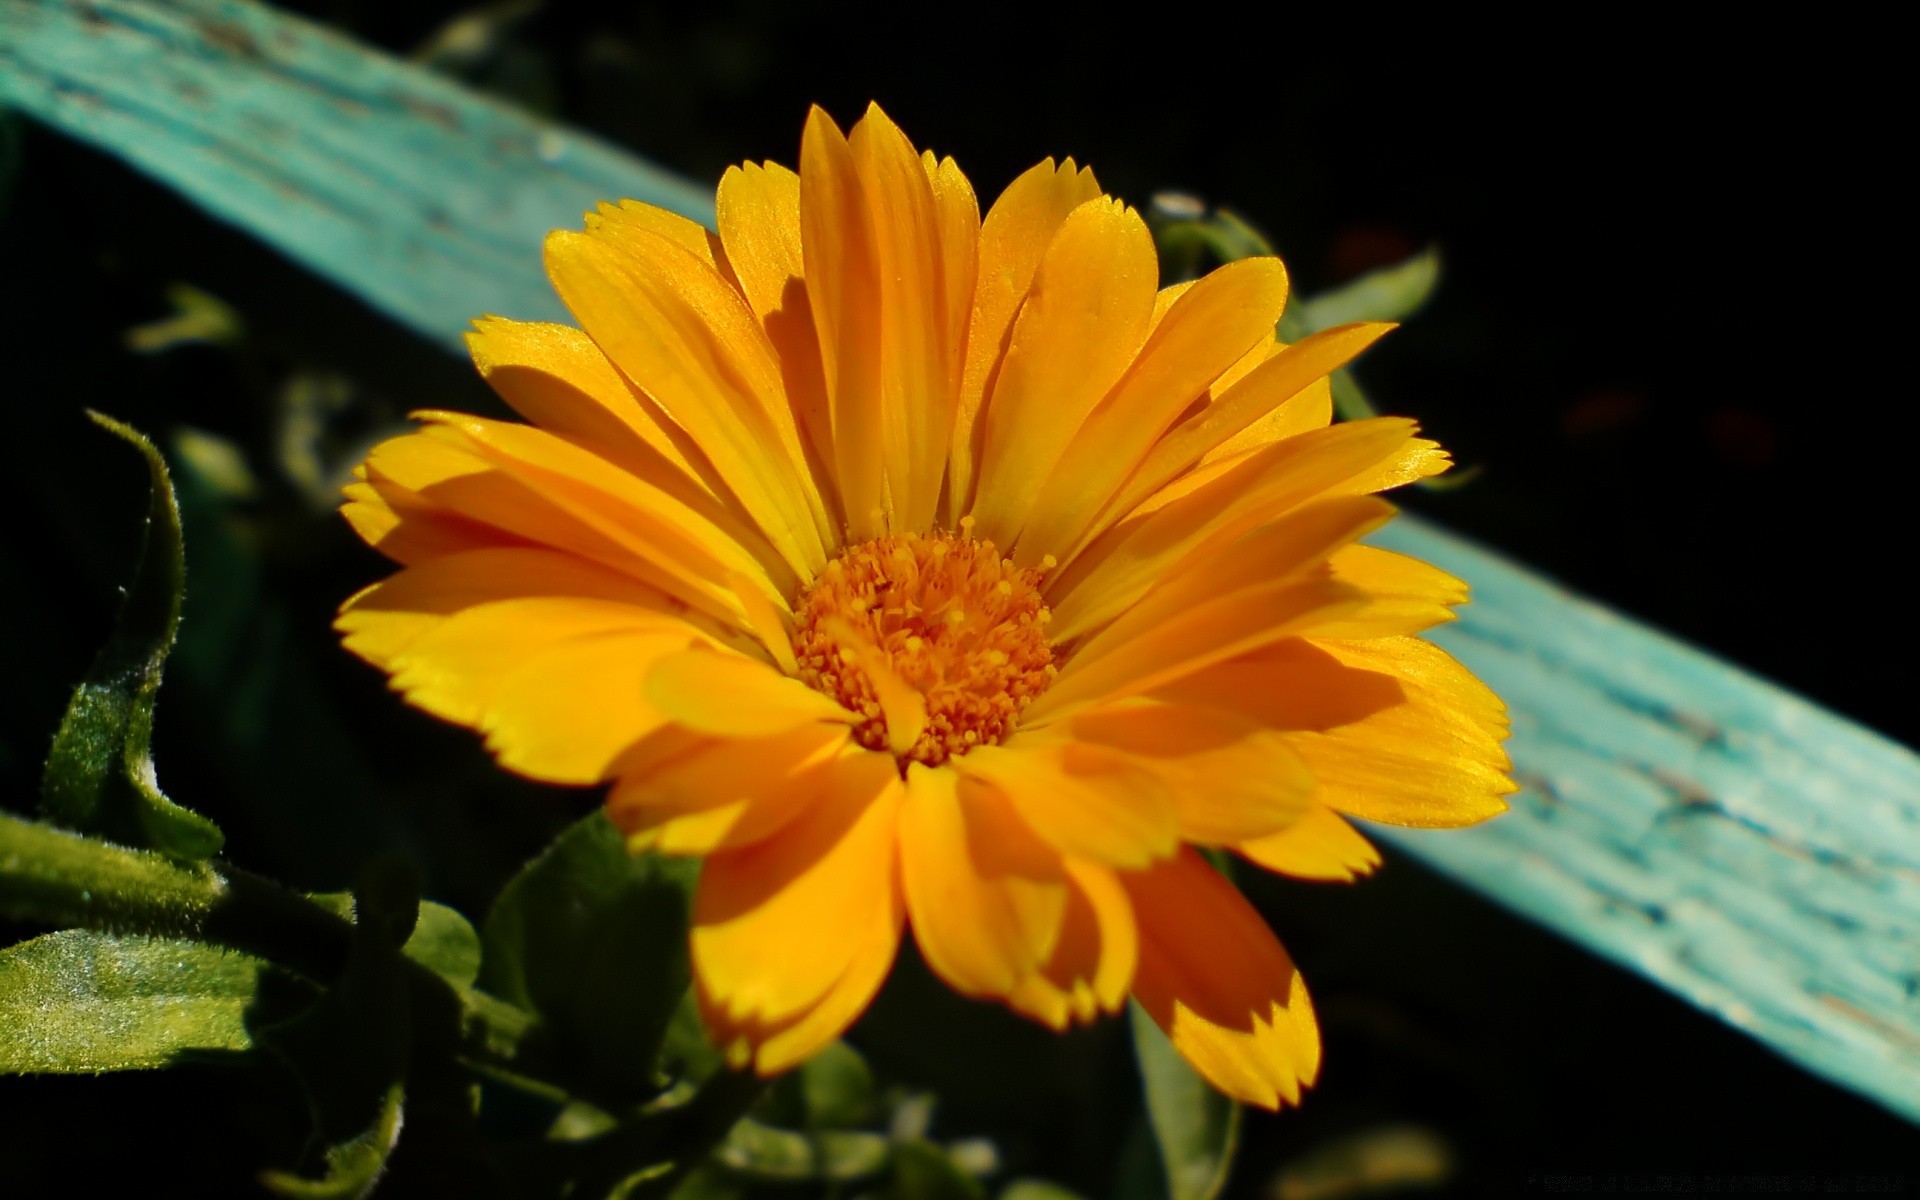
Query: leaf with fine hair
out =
(82, 1002)
(99, 777)
(354, 1166)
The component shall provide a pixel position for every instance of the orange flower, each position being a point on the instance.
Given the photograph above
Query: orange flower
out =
(915, 568)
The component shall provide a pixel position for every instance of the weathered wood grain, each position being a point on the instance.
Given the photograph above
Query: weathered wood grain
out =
(423, 198)
(1742, 847)
(1751, 851)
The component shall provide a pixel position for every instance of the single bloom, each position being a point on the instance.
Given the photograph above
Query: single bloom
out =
(920, 569)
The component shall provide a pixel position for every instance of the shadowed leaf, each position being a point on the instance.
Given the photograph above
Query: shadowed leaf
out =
(354, 1166)
(443, 941)
(349, 1050)
(100, 777)
(1036, 1189)
(923, 1171)
(594, 939)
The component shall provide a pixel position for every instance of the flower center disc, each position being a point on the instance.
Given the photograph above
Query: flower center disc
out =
(961, 625)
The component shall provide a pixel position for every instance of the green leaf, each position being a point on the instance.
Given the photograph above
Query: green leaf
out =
(354, 1166)
(649, 1152)
(923, 1171)
(1195, 1127)
(80, 1002)
(837, 1087)
(780, 1155)
(1389, 294)
(56, 877)
(685, 1052)
(1185, 234)
(1036, 1189)
(350, 1048)
(99, 776)
(594, 940)
(443, 941)
(446, 943)
(1350, 400)
(708, 1183)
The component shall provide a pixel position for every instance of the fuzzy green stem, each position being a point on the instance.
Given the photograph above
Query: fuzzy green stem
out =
(64, 879)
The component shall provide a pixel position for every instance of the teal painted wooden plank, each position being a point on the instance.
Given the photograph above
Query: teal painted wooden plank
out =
(425, 199)
(1734, 843)
(1751, 851)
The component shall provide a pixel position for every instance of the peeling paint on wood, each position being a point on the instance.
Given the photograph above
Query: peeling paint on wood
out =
(1730, 841)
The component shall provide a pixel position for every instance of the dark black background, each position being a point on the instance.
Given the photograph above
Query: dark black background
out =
(1666, 333)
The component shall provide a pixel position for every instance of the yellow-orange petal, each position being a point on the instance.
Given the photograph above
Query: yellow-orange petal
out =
(873, 953)
(1206, 329)
(677, 541)
(1404, 595)
(566, 714)
(843, 289)
(694, 794)
(917, 389)
(957, 217)
(684, 335)
(1306, 410)
(555, 377)
(1112, 574)
(382, 621)
(456, 669)
(1320, 845)
(767, 619)
(1293, 684)
(1091, 968)
(1082, 324)
(1231, 780)
(1419, 459)
(1087, 801)
(985, 896)
(407, 529)
(1225, 628)
(773, 1046)
(758, 207)
(616, 224)
(1433, 760)
(551, 680)
(902, 707)
(759, 912)
(442, 476)
(1292, 547)
(1014, 235)
(725, 694)
(1215, 979)
(1268, 387)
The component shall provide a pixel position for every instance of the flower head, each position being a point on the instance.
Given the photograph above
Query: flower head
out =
(919, 569)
